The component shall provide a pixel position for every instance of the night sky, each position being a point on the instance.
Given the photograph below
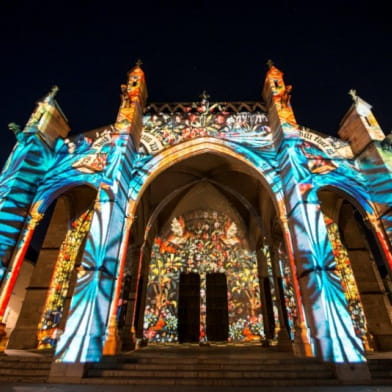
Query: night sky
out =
(87, 47)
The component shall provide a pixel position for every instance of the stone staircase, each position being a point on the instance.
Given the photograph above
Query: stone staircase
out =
(380, 370)
(194, 365)
(24, 368)
(209, 366)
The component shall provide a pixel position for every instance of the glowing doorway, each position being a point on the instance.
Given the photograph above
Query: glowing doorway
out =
(204, 242)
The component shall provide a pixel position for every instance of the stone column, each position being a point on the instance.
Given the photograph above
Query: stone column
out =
(266, 299)
(284, 341)
(24, 335)
(374, 298)
(85, 330)
(127, 334)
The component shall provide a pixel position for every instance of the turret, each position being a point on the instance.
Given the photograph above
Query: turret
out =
(49, 119)
(137, 88)
(277, 97)
(372, 151)
(133, 99)
(359, 126)
(26, 166)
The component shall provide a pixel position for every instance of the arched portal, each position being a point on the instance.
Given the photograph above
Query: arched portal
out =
(204, 198)
(362, 268)
(58, 242)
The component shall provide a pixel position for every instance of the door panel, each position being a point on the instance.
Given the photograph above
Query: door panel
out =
(189, 308)
(217, 309)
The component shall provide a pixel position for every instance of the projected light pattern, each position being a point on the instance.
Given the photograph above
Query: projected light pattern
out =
(258, 151)
(49, 326)
(328, 313)
(376, 166)
(91, 302)
(19, 256)
(350, 288)
(18, 183)
(276, 321)
(81, 160)
(292, 164)
(163, 130)
(203, 242)
(281, 95)
(288, 291)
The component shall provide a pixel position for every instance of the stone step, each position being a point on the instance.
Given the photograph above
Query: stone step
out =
(24, 364)
(212, 361)
(381, 370)
(205, 366)
(161, 368)
(379, 363)
(26, 369)
(381, 381)
(23, 372)
(23, 379)
(214, 368)
(209, 373)
(211, 381)
(387, 371)
(10, 359)
(210, 358)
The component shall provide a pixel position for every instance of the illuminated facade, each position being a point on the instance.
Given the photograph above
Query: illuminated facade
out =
(198, 223)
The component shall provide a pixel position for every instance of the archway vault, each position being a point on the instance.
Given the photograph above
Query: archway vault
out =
(58, 243)
(236, 157)
(247, 181)
(332, 196)
(362, 264)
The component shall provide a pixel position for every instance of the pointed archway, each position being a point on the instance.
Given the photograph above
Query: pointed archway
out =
(239, 186)
(362, 267)
(58, 243)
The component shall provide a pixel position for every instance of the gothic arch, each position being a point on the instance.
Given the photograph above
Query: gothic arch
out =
(246, 163)
(356, 239)
(367, 212)
(167, 158)
(46, 196)
(62, 215)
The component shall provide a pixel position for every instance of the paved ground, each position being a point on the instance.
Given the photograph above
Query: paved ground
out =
(146, 388)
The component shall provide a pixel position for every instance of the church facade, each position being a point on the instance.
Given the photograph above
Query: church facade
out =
(197, 223)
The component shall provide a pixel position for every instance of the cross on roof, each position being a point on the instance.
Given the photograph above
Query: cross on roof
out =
(53, 91)
(204, 96)
(353, 94)
(270, 63)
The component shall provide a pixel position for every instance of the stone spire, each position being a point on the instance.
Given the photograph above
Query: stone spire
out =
(359, 126)
(133, 100)
(277, 95)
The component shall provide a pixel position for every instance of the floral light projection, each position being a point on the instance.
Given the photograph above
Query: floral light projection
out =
(48, 328)
(203, 242)
(267, 257)
(96, 158)
(162, 130)
(295, 163)
(316, 162)
(350, 288)
(288, 290)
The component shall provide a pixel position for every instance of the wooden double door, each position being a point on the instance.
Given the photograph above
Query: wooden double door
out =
(190, 300)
